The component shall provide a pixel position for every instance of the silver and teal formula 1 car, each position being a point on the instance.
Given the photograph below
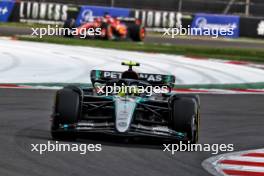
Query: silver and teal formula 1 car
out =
(128, 113)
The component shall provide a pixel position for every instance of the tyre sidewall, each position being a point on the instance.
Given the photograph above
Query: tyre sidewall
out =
(185, 117)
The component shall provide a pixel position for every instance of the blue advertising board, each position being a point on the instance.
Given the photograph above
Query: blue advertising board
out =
(6, 8)
(87, 13)
(220, 25)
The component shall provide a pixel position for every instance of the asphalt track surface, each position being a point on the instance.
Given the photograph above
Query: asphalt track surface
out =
(24, 120)
(9, 31)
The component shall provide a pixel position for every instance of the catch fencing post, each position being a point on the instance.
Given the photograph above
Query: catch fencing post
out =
(247, 9)
(112, 3)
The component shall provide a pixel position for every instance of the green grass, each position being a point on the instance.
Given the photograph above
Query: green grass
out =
(244, 40)
(24, 25)
(150, 33)
(254, 55)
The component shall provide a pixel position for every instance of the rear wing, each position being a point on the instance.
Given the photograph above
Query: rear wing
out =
(102, 76)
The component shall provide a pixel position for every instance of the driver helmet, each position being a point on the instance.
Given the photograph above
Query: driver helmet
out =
(130, 74)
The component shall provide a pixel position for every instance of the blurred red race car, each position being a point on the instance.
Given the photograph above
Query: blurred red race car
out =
(107, 28)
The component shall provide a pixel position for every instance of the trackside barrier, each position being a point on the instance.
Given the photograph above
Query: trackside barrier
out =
(87, 13)
(252, 27)
(223, 25)
(6, 8)
(57, 13)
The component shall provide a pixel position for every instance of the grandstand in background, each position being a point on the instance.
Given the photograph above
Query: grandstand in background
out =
(238, 7)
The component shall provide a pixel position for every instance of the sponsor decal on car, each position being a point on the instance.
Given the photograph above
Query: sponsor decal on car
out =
(145, 76)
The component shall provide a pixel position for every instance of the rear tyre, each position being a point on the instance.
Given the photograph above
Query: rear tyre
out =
(69, 24)
(137, 32)
(66, 112)
(185, 117)
(107, 31)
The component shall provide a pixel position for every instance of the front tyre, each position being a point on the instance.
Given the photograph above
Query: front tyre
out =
(185, 117)
(69, 25)
(137, 32)
(66, 113)
(107, 32)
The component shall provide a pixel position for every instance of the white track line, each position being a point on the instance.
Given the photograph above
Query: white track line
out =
(38, 62)
(217, 165)
(245, 158)
(241, 168)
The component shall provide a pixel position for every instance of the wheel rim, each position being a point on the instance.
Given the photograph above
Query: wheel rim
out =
(142, 33)
(109, 33)
(194, 130)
